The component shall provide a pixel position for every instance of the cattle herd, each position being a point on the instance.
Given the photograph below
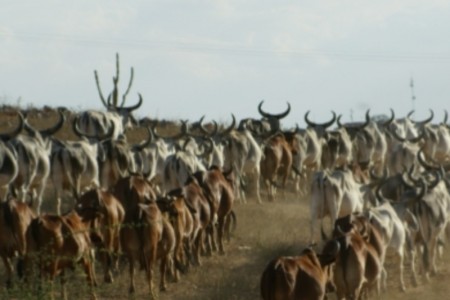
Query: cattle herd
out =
(169, 199)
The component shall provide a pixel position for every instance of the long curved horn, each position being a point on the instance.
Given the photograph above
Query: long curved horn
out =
(136, 106)
(422, 161)
(277, 116)
(397, 137)
(145, 144)
(231, 127)
(54, 129)
(16, 131)
(325, 125)
(390, 120)
(426, 121)
(207, 150)
(80, 133)
(436, 181)
(445, 117)
(367, 122)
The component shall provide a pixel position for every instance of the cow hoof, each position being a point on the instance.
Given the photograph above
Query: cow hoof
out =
(162, 288)
(221, 252)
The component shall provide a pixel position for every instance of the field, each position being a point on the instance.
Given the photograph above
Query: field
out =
(263, 232)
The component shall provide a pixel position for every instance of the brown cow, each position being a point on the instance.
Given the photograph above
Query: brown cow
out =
(360, 263)
(304, 277)
(180, 216)
(56, 243)
(220, 194)
(15, 217)
(276, 161)
(202, 213)
(106, 215)
(146, 235)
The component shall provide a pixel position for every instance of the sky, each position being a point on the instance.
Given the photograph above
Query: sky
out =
(215, 58)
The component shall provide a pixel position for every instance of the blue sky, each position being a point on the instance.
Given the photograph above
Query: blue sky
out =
(214, 58)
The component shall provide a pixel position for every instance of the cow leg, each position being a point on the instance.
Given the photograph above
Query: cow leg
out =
(198, 245)
(162, 272)
(9, 271)
(150, 259)
(412, 258)
(90, 275)
(63, 285)
(131, 261)
(256, 183)
(220, 230)
(400, 269)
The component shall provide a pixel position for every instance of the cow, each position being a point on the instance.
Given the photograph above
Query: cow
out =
(56, 243)
(8, 159)
(33, 152)
(303, 277)
(277, 161)
(243, 155)
(218, 189)
(146, 235)
(182, 220)
(15, 217)
(360, 263)
(106, 215)
(335, 194)
(270, 122)
(202, 210)
(313, 136)
(179, 166)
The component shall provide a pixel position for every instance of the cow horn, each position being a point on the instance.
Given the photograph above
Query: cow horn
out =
(426, 121)
(436, 181)
(277, 116)
(16, 131)
(423, 189)
(391, 119)
(397, 137)
(231, 127)
(136, 106)
(210, 148)
(325, 125)
(445, 117)
(80, 134)
(367, 122)
(58, 125)
(145, 144)
(422, 161)
(200, 125)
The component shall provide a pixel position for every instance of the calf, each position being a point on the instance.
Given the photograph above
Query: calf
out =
(106, 215)
(57, 243)
(219, 192)
(360, 263)
(14, 220)
(303, 277)
(180, 216)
